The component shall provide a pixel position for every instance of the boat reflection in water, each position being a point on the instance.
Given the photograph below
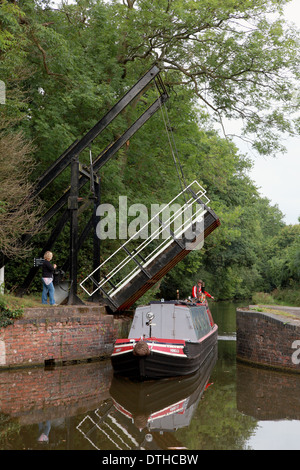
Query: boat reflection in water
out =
(144, 415)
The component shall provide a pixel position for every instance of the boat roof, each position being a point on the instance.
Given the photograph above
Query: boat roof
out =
(172, 319)
(187, 303)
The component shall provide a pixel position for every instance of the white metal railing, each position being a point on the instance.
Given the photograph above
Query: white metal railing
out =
(135, 255)
(116, 433)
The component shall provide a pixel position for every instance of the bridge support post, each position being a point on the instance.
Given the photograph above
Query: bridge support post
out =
(73, 208)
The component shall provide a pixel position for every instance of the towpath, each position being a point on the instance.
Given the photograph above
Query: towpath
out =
(293, 311)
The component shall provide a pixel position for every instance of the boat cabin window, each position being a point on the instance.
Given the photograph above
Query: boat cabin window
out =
(200, 321)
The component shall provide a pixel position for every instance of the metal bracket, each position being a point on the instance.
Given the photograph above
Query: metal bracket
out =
(176, 240)
(86, 172)
(136, 261)
(104, 292)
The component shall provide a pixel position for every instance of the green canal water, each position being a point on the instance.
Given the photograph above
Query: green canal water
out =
(228, 406)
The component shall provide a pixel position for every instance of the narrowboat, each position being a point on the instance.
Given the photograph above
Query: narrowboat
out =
(166, 339)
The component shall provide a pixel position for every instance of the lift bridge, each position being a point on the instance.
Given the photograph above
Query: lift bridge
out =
(178, 228)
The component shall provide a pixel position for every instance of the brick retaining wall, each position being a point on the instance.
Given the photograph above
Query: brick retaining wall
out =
(58, 335)
(268, 339)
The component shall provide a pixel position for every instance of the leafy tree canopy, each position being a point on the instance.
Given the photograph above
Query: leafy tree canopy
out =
(64, 66)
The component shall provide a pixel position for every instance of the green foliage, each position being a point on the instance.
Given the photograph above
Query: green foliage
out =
(9, 428)
(65, 67)
(282, 254)
(229, 53)
(8, 314)
(263, 298)
(287, 296)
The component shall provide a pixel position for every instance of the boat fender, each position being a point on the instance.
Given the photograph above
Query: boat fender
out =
(141, 349)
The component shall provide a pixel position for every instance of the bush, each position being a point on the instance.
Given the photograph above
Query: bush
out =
(8, 314)
(263, 298)
(287, 296)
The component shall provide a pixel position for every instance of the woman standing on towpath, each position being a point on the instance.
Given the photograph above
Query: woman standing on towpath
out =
(47, 279)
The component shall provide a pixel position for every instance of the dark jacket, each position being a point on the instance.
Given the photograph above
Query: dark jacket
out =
(47, 269)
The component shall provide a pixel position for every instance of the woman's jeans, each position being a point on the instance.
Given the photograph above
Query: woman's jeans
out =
(48, 290)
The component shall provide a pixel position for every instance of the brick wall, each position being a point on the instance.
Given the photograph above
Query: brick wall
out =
(58, 334)
(268, 339)
(35, 395)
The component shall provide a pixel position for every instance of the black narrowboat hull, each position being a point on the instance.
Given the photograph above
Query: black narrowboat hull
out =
(161, 358)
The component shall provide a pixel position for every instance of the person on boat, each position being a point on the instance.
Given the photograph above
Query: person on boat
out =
(199, 293)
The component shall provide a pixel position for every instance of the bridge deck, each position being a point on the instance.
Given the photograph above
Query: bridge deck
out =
(136, 266)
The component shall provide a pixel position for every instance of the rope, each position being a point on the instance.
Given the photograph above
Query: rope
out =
(175, 157)
(92, 184)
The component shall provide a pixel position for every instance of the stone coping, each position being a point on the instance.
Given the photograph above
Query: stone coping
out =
(287, 315)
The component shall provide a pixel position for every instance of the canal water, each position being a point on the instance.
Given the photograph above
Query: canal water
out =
(228, 406)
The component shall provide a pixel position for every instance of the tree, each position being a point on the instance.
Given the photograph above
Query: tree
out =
(226, 59)
(238, 56)
(18, 212)
(282, 256)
